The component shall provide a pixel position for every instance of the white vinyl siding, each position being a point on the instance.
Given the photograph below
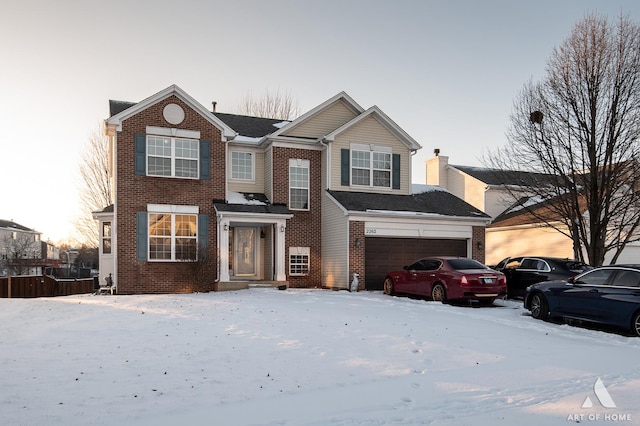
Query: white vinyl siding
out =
(369, 131)
(324, 122)
(335, 253)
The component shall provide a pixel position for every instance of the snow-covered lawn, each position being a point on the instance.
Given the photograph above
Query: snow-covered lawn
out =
(311, 357)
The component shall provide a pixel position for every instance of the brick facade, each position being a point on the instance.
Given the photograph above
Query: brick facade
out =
(135, 192)
(357, 253)
(303, 229)
(478, 243)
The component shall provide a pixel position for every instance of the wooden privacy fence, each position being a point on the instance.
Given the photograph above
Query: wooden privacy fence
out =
(43, 286)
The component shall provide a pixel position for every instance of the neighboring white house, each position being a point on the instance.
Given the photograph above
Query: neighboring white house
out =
(20, 249)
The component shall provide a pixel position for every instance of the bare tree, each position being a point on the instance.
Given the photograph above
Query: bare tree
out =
(95, 190)
(23, 252)
(280, 106)
(580, 126)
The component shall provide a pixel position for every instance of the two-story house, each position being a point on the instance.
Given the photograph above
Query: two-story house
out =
(211, 201)
(20, 249)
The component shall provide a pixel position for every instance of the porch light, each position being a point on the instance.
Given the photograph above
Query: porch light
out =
(281, 228)
(479, 245)
(225, 227)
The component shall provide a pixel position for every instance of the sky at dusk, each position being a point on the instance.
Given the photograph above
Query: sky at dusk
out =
(445, 71)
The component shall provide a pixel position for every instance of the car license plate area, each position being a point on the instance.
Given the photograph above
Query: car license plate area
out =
(487, 280)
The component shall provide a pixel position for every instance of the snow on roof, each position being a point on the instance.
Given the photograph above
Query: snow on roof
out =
(530, 202)
(417, 188)
(239, 198)
(247, 139)
(281, 124)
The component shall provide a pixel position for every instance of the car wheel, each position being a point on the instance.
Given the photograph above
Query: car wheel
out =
(438, 293)
(635, 324)
(539, 307)
(388, 286)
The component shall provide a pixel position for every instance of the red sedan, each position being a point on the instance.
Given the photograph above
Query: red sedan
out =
(448, 278)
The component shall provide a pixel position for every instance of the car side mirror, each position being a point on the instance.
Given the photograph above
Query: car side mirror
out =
(571, 280)
(405, 267)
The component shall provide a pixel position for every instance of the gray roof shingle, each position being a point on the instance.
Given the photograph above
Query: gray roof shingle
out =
(438, 202)
(506, 177)
(253, 127)
(9, 224)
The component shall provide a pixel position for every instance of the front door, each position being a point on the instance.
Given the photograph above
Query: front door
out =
(244, 252)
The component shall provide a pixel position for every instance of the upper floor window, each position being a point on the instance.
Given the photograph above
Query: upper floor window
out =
(371, 166)
(172, 156)
(298, 184)
(241, 165)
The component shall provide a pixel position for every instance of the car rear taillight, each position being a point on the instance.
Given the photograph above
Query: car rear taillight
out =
(464, 280)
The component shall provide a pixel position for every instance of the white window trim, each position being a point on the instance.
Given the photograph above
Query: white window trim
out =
(300, 251)
(171, 209)
(253, 165)
(371, 148)
(173, 137)
(178, 133)
(302, 164)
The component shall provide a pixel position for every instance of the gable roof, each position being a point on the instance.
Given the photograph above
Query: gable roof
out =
(384, 119)
(505, 177)
(435, 201)
(126, 109)
(342, 96)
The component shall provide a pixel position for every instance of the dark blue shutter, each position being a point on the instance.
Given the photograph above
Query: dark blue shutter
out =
(395, 171)
(345, 167)
(205, 160)
(203, 230)
(142, 227)
(141, 154)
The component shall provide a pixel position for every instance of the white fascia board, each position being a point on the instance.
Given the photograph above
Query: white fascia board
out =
(384, 119)
(391, 215)
(227, 132)
(311, 146)
(251, 217)
(102, 215)
(306, 116)
(526, 226)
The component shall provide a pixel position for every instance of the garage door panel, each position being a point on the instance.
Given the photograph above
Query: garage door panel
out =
(386, 254)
